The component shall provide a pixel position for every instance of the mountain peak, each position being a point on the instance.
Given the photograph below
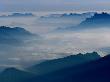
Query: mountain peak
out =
(11, 69)
(99, 20)
(101, 15)
(73, 60)
(15, 35)
(5, 30)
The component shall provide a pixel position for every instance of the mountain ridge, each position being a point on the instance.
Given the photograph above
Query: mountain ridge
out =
(14, 35)
(98, 20)
(94, 71)
(56, 64)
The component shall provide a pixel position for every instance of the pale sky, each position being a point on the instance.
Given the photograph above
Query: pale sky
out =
(53, 5)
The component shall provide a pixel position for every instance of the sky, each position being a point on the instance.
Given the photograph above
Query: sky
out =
(54, 5)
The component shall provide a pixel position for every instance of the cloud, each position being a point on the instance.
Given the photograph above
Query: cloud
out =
(12, 5)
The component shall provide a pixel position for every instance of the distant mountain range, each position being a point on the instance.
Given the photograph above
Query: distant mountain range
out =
(70, 15)
(19, 15)
(58, 70)
(97, 21)
(14, 75)
(14, 35)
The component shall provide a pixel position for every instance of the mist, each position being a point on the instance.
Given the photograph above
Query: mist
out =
(51, 44)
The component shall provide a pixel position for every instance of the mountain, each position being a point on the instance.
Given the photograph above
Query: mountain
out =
(94, 71)
(10, 35)
(70, 15)
(98, 20)
(66, 69)
(26, 75)
(14, 75)
(86, 15)
(18, 15)
(57, 64)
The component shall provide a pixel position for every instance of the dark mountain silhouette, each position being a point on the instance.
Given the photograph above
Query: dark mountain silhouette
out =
(70, 15)
(57, 64)
(14, 35)
(18, 15)
(94, 71)
(97, 21)
(88, 14)
(14, 75)
(16, 30)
